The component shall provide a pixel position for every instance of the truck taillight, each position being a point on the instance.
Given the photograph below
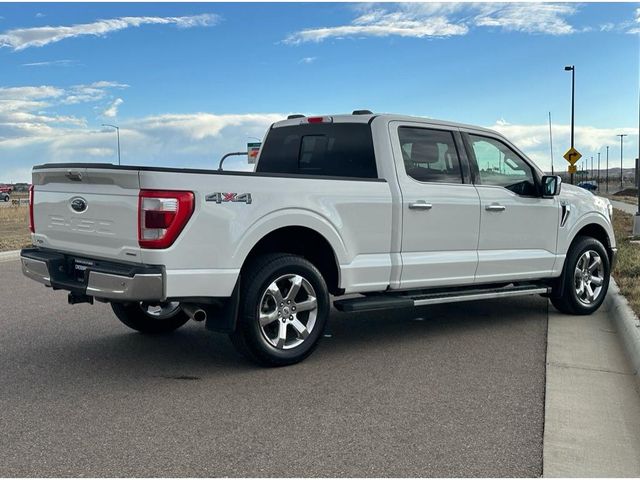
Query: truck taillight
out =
(162, 214)
(32, 226)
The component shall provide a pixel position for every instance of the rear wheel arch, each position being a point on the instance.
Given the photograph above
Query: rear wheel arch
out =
(304, 242)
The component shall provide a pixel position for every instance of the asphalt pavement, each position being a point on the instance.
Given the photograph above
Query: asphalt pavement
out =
(455, 390)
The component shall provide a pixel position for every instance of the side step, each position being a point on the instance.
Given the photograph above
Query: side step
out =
(417, 299)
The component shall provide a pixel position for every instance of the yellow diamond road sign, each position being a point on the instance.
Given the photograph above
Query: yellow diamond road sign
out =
(572, 156)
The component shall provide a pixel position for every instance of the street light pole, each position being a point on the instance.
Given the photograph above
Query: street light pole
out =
(598, 170)
(621, 135)
(118, 136)
(607, 187)
(572, 69)
(551, 143)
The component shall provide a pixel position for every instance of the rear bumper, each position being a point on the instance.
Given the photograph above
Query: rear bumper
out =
(92, 277)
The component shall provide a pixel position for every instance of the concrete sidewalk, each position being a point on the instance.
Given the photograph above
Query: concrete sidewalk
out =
(592, 407)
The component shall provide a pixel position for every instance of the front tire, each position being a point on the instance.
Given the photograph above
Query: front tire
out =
(284, 307)
(147, 318)
(586, 278)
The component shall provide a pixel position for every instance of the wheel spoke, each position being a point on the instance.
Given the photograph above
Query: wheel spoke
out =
(578, 273)
(309, 304)
(597, 281)
(275, 292)
(296, 283)
(590, 294)
(596, 263)
(267, 318)
(586, 259)
(300, 328)
(580, 290)
(282, 335)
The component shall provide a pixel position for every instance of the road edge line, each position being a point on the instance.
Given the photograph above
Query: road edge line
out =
(10, 255)
(627, 326)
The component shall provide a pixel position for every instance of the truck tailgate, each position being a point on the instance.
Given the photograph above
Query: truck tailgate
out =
(87, 211)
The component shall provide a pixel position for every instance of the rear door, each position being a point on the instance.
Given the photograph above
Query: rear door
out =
(87, 211)
(440, 206)
(518, 228)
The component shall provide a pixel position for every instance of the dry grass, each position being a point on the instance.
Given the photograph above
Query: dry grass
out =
(14, 228)
(627, 271)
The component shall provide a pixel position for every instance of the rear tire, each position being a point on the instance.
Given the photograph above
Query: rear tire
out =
(284, 307)
(586, 278)
(154, 319)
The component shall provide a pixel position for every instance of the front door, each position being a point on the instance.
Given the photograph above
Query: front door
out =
(518, 228)
(440, 210)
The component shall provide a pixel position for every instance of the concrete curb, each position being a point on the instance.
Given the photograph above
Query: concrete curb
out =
(11, 255)
(627, 325)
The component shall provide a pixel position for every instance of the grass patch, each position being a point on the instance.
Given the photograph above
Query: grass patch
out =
(627, 271)
(14, 228)
(625, 199)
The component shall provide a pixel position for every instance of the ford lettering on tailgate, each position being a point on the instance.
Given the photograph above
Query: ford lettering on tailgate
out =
(84, 225)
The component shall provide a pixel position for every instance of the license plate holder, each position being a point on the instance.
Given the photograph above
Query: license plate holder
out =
(81, 268)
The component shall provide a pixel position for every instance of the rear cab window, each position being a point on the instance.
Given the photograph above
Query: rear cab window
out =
(430, 156)
(327, 149)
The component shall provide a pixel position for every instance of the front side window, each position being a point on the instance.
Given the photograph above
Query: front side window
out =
(501, 166)
(430, 155)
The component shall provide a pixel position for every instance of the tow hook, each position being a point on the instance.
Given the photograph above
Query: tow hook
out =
(74, 298)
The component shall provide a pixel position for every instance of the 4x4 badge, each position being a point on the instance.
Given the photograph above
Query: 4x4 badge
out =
(220, 197)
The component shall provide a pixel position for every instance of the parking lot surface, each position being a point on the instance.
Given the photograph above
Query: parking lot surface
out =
(453, 390)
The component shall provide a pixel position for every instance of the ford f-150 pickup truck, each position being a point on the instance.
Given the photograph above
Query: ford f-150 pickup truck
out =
(378, 211)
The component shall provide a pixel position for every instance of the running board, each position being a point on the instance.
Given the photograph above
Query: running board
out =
(406, 300)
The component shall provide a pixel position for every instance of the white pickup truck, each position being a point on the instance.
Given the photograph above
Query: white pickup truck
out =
(402, 211)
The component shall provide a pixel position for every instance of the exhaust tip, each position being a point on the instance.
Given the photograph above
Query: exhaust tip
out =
(195, 313)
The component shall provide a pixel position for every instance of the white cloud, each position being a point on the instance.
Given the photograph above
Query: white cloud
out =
(404, 22)
(112, 110)
(636, 28)
(307, 60)
(546, 18)
(30, 93)
(25, 115)
(21, 38)
(31, 132)
(91, 92)
(534, 141)
(429, 20)
(50, 63)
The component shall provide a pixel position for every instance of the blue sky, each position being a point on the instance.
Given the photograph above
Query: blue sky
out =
(187, 82)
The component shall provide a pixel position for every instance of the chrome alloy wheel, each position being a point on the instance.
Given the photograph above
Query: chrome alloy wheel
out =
(287, 311)
(589, 277)
(160, 310)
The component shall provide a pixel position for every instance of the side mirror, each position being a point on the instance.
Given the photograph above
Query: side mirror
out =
(551, 185)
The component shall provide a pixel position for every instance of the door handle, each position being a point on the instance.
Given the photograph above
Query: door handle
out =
(420, 205)
(495, 208)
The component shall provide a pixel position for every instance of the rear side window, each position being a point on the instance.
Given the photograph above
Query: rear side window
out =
(329, 149)
(430, 155)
